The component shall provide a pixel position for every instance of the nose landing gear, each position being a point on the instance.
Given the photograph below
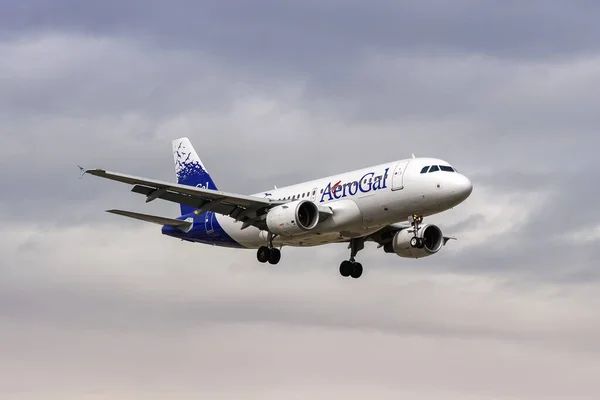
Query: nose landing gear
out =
(415, 221)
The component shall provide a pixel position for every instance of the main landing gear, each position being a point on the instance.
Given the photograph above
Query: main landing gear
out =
(351, 267)
(269, 253)
(416, 241)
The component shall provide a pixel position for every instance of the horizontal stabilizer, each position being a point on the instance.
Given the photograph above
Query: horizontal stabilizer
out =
(176, 223)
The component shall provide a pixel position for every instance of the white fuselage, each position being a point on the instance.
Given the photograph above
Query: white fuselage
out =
(364, 201)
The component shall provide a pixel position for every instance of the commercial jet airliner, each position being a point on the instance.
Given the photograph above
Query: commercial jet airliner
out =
(384, 204)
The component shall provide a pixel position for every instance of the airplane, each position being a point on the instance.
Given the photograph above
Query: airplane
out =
(384, 204)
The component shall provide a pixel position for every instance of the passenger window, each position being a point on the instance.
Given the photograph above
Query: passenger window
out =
(434, 168)
(446, 168)
(424, 170)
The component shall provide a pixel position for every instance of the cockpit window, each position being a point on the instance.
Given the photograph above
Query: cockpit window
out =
(446, 168)
(434, 168)
(424, 170)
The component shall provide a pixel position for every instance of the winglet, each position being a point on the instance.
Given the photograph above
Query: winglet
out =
(83, 171)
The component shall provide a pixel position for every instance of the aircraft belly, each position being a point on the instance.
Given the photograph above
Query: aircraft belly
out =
(250, 237)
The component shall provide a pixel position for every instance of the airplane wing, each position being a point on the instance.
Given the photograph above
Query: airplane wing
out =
(248, 209)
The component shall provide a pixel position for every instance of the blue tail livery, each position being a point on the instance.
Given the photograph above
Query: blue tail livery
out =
(189, 169)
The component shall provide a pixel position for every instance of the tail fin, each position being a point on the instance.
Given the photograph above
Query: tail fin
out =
(189, 169)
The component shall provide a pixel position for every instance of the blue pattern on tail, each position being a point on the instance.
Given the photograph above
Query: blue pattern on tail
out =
(189, 169)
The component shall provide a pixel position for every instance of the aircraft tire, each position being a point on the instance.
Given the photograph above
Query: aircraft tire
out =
(274, 256)
(346, 268)
(357, 270)
(263, 254)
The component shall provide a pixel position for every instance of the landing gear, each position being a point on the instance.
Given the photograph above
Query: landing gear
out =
(272, 256)
(269, 253)
(351, 267)
(416, 241)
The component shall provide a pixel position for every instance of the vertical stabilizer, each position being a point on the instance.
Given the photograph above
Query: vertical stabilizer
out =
(189, 169)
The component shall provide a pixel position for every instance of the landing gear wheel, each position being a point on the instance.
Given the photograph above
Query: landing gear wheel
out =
(274, 256)
(419, 243)
(263, 254)
(346, 268)
(357, 270)
(414, 242)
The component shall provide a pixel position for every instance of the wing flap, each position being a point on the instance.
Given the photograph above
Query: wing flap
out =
(176, 223)
(170, 196)
(220, 207)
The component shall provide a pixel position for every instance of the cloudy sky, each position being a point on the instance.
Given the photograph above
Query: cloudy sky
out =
(93, 306)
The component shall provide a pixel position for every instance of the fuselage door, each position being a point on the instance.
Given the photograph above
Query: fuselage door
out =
(313, 195)
(398, 176)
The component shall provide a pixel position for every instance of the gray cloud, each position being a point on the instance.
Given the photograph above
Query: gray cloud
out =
(506, 94)
(313, 33)
(231, 321)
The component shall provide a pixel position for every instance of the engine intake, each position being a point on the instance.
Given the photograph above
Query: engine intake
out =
(293, 218)
(432, 238)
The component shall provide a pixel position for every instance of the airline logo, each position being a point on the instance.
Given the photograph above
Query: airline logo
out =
(367, 183)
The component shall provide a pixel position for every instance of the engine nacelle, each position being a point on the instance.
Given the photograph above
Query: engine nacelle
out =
(432, 237)
(293, 218)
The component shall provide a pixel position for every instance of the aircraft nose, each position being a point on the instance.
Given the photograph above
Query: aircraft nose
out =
(463, 187)
(460, 187)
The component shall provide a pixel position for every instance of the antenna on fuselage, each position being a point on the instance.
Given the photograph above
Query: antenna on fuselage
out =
(413, 154)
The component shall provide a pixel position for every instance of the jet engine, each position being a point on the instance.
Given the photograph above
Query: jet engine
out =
(431, 237)
(293, 218)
